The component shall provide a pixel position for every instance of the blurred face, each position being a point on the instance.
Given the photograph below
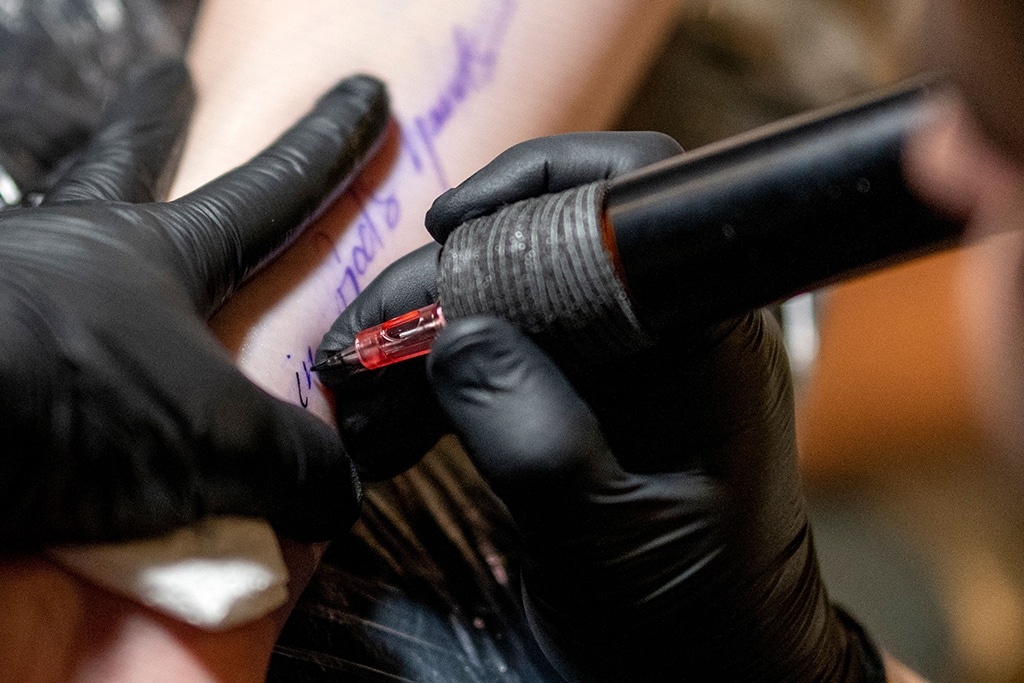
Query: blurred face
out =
(971, 162)
(977, 145)
(980, 43)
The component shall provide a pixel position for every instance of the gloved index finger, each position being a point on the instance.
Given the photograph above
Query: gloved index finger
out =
(545, 165)
(235, 223)
(128, 155)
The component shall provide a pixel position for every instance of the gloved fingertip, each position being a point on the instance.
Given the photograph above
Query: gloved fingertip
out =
(436, 218)
(448, 212)
(652, 147)
(357, 84)
(545, 165)
(316, 493)
(330, 516)
(363, 101)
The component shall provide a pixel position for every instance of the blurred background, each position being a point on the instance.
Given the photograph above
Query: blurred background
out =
(909, 512)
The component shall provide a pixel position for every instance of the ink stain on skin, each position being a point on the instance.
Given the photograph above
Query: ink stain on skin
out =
(476, 55)
(306, 374)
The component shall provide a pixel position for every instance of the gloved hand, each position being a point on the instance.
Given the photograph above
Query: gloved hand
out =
(390, 417)
(665, 532)
(121, 416)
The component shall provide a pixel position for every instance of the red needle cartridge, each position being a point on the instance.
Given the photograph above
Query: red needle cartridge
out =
(407, 336)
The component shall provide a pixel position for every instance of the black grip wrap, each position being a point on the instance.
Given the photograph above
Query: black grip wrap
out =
(540, 263)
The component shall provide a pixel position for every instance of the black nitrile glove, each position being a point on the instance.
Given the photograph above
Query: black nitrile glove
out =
(390, 417)
(665, 533)
(121, 416)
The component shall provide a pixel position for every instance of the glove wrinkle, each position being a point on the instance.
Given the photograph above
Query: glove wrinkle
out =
(124, 416)
(243, 219)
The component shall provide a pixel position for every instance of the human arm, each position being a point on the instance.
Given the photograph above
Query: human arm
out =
(258, 65)
(122, 414)
(56, 627)
(467, 79)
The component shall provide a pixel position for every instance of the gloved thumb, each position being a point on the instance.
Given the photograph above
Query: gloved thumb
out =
(528, 432)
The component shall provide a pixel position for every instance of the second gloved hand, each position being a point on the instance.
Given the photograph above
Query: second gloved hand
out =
(121, 416)
(665, 534)
(664, 529)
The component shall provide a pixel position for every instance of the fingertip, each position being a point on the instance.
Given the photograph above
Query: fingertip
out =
(319, 494)
(546, 165)
(360, 104)
(440, 219)
(240, 220)
(457, 205)
(369, 87)
(661, 145)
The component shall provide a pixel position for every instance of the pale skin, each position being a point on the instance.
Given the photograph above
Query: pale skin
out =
(56, 626)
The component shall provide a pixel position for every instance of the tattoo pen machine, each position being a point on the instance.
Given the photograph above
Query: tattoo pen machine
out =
(600, 270)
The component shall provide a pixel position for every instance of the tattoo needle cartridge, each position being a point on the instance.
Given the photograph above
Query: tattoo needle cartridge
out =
(407, 336)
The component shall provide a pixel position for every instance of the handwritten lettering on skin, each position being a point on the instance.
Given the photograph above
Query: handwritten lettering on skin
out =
(476, 58)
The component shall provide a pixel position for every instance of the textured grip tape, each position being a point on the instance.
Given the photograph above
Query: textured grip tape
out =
(541, 264)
